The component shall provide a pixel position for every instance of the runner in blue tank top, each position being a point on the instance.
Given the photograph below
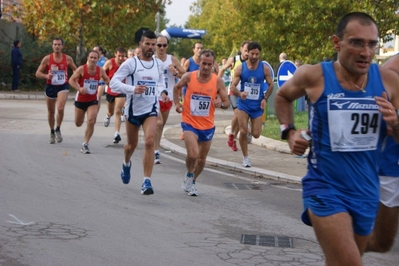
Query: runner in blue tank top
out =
(386, 224)
(251, 98)
(348, 117)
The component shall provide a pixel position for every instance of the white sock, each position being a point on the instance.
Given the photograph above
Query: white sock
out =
(126, 164)
(156, 151)
(116, 133)
(145, 178)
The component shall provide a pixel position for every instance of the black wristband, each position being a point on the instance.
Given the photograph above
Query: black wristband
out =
(284, 129)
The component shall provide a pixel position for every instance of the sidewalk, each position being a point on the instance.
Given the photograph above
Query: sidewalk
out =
(269, 158)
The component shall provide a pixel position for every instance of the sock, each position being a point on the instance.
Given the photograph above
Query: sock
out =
(126, 164)
(145, 178)
(190, 175)
(193, 181)
(116, 133)
(156, 151)
(52, 131)
(57, 128)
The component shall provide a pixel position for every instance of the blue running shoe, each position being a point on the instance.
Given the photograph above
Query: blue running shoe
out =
(125, 173)
(146, 188)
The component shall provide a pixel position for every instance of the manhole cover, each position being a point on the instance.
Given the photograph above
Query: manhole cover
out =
(243, 186)
(267, 241)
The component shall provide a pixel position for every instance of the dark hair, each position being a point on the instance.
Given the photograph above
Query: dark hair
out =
(196, 43)
(16, 42)
(58, 39)
(207, 53)
(161, 36)
(254, 45)
(148, 34)
(363, 18)
(121, 50)
(244, 43)
(93, 51)
(102, 50)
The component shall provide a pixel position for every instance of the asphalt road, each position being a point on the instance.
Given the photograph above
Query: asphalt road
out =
(61, 207)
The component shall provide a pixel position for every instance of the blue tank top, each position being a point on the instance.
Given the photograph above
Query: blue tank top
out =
(101, 61)
(389, 159)
(346, 130)
(253, 82)
(193, 66)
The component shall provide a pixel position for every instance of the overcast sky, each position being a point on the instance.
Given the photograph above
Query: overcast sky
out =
(178, 12)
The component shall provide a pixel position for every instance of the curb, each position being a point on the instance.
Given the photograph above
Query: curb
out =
(236, 167)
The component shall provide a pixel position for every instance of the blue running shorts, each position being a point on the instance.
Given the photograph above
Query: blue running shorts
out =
(203, 135)
(363, 213)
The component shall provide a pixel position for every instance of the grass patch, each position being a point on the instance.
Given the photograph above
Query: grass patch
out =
(272, 126)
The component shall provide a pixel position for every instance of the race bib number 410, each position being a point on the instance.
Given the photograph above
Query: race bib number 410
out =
(90, 85)
(353, 124)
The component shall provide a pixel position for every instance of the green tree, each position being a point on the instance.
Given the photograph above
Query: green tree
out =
(301, 28)
(86, 23)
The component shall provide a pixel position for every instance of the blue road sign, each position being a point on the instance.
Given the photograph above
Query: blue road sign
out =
(285, 72)
(183, 33)
(271, 74)
(270, 67)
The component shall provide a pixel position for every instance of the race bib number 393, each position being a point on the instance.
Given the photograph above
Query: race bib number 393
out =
(353, 124)
(200, 105)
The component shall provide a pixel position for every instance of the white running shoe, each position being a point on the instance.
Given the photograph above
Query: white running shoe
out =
(187, 183)
(193, 191)
(157, 159)
(107, 121)
(246, 161)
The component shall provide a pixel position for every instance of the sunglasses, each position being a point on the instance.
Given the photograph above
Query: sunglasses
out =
(162, 45)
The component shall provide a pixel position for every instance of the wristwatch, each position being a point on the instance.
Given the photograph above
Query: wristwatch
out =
(284, 129)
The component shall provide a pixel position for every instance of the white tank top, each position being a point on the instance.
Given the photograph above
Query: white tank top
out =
(149, 73)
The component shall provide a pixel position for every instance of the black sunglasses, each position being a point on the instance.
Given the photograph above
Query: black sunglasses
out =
(162, 45)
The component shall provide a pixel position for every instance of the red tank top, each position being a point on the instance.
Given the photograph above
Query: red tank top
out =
(59, 70)
(110, 73)
(90, 83)
(198, 108)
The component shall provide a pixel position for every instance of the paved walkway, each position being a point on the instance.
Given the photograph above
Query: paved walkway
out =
(269, 158)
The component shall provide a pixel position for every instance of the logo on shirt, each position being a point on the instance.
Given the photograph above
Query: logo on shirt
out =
(252, 79)
(339, 104)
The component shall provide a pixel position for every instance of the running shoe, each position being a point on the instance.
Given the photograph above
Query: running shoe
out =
(107, 121)
(249, 134)
(232, 143)
(157, 159)
(146, 188)
(187, 183)
(58, 136)
(246, 161)
(85, 148)
(125, 173)
(52, 138)
(117, 138)
(193, 191)
(249, 138)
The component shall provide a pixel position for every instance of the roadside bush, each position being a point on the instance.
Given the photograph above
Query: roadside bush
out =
(32, 52)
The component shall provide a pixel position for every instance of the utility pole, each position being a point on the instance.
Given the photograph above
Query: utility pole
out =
(157, 20)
